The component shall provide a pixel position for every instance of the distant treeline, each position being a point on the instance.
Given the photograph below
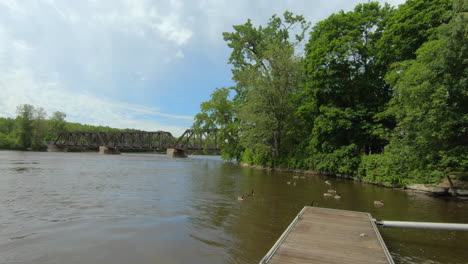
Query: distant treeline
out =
(378, 93)
(32, 128)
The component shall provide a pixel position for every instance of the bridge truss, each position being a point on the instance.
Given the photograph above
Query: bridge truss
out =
(198, 140)
(190, 140)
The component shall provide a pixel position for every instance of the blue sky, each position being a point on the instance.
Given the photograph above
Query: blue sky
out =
(127, 63)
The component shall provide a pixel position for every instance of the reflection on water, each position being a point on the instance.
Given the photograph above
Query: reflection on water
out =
(90, 208)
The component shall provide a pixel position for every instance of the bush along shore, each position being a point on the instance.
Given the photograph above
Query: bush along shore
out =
(458, 187)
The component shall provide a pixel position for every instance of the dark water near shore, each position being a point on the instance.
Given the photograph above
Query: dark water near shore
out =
(90, 208)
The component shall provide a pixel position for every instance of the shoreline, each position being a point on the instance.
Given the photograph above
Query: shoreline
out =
(438, 190)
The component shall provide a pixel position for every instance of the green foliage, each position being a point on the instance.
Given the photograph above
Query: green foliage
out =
(8, 136)
(411, 25)
(344, 160)
(385, 169)
(258, 156)
(268, 74)
(57, 125)
(345, 88)
(29, 129)
(7, 125)
(40, 128)
(380, 94)
(248, 156)
(7, 141)
(25, 125)
(90, 128)
(219, 113)
(429, 105)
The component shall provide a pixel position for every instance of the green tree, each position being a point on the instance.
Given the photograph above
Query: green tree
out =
(430, 107)
(7, 135)
(40, 128)
(7, 125)
(25, 115)
(57, 125)
(267, 73)
(410, 26)
(345, 87)
(219, 113)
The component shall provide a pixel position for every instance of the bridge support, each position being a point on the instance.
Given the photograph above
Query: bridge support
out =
(176, 153)
(106, 150)
(55, 148)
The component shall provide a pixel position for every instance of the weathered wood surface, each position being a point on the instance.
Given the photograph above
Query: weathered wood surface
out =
(323, 235)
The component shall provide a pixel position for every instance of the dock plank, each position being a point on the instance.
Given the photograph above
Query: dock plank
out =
(322, 235)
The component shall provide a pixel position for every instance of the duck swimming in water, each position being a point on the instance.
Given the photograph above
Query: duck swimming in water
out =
(337, 196)
(332, 191)
(327, 182)
(241, 197)
(379, 203)
(328, 195)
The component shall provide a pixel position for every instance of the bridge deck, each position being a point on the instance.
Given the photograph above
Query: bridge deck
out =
(321, 235)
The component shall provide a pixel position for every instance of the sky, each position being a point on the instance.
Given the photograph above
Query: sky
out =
(128, 63)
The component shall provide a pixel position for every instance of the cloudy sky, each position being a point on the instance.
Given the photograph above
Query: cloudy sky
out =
(127, 63)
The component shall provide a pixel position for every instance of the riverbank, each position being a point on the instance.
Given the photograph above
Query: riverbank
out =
(441, 189)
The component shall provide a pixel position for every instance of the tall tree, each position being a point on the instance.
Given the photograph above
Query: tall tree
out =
(429, 105)
(39, 128)
(57, 125)
(7, 136)
(410, 26)
(25, 115)
(219, 113)
(345, 87)
(267, 73)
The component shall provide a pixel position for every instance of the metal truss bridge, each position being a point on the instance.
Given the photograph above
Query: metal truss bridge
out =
(191, 140)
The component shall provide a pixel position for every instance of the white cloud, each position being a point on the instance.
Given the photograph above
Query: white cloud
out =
(51, 52)
(180, 54)
(170, 28)
(217, 16)
(13, 6)
(137, 17)
(21, 82)
(22, 87)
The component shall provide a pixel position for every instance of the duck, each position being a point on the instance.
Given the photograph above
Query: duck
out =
(379, 203)
(332, 191)
(240, 198)
(295, 177)
(288, 182)
(294, 183)
(328, 195)
(337, 196)
(327, 182)
(312, 203)
(250, 194)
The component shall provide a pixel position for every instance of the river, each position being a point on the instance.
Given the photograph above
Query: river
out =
(139, 208)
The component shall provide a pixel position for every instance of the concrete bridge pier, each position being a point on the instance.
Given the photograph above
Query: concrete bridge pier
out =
(55, 148)
(107, 150)
(176, 153)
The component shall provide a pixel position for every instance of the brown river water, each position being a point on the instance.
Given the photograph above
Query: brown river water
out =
(139, 208)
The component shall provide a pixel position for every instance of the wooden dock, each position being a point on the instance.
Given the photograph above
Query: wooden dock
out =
(322, 235)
